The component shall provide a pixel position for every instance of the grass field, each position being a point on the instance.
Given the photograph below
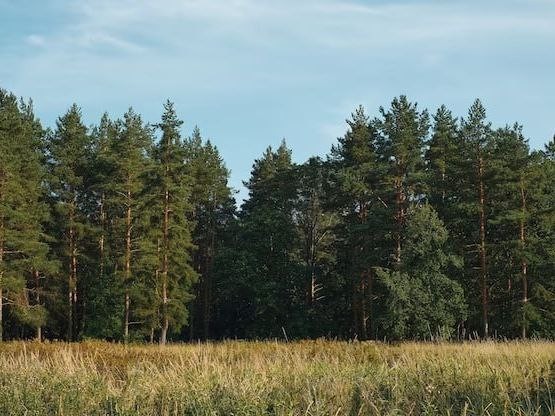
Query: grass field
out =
(270, 378)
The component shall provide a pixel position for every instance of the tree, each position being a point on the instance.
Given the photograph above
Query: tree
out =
(172, 192)
(440, 161)
(103, 289)
(473, 181)
(316, 224)
(357, 198)
(271, 280)
(130, 151)
(211, 200)
(24, 253)
(538, 313)
(69, 151)
(403, 130)
(422, 301)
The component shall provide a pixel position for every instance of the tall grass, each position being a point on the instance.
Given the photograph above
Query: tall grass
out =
(271, 378)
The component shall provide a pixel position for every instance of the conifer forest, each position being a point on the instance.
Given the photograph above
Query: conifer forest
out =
(416, 225)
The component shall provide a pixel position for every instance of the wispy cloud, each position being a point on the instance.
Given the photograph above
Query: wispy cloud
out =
(252, 71)
(327, 23)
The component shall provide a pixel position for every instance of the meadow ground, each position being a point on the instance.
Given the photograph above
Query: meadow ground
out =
(273, 378)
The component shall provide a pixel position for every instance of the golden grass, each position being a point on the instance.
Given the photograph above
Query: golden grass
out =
(271, 378)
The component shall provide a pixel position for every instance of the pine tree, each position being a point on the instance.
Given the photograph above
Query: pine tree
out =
(510, 195)
(316, 224)
(210, 199)
(538, 313)
(172, 193)
(24, 258)
(358, 197)
(440, 157)
(403, 130)
(103, 290)
(126, 200)
(69, 150)
(472, 181)
(272, 278)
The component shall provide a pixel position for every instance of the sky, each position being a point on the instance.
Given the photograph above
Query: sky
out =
(252, 72)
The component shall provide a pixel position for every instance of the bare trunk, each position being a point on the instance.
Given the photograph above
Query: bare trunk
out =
(127, 267)
(524, 264)
(369, 296)
(165, 246)
(399, 218)
(1, 306)
(207, 299)
(164, 332)
(127, 302)
(363, 313)
(71, 282)
(355, 307)
(483, 271)
(37, 300)
(443, 186)
(102, 236)
(311, 262)
(1, 274)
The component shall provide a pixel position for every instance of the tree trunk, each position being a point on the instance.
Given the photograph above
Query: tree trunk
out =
(1, 306)
(369, 296)
(482, 249)
(399, 218)
(165, 245)
(37, 299)
(164, 332)
(71, 282)
(207, 301)
(127, 303)
(443, 186)
(355, 305)
(1, 274)
(102, 236)
(363, 313)
(127, 268)
(524, 264)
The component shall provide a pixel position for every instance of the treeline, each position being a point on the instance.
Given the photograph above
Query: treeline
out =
(413, 227)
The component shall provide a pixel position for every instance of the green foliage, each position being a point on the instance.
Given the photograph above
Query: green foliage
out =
(24, 252)
(170, 205)
(422, 301)
(127, 231)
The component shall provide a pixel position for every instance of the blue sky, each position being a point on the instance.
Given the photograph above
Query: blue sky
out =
(251, 72)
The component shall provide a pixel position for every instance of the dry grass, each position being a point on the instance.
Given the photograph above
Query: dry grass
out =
(268, 378)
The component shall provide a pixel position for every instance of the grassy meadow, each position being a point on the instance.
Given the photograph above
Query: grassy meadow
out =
(274, 378)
